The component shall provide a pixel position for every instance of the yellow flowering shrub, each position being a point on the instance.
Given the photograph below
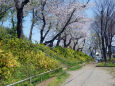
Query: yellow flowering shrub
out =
(42, 62)
(47, 50)
(7, 64)
(48, 63)
(33, 58)
(70, 57)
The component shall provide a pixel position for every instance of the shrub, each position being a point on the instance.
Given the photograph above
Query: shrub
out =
(71, 57)
(4, 33)
(32, 59)
(28, 59)
(8, 63)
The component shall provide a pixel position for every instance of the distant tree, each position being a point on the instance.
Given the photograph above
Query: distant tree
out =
(104, 25)
(33, 23)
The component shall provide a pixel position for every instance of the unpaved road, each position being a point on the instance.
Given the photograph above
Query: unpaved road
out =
(90, 76)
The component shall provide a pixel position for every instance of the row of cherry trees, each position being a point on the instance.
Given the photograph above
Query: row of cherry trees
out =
(57, 20)
(104, 27)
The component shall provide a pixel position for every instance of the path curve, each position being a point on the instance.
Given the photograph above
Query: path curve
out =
(90, 76)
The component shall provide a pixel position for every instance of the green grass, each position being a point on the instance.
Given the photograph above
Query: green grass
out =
(38, 79)
(58, 81)
(108, 64)
(74, 68)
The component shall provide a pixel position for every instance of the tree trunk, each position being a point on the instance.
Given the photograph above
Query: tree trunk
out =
(19, 8)
(51, 44)
(63, 29)
(58, 42)
(42, 29)
(64, 41)
(19, 22)
(30, 36)
(104, 50)
(69, 42)
(109, 52)
(13, 24)
(32, 26)
(102, 36)
(74, 46)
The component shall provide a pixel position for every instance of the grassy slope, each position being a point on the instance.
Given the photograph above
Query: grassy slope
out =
(67, 57)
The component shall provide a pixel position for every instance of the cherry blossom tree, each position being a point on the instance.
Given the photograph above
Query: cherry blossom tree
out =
(67, 15)
(52, 16)
(45, 19)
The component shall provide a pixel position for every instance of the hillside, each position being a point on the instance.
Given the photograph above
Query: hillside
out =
(21, 59)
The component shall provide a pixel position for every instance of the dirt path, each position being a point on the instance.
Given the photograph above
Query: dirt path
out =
(90, 76)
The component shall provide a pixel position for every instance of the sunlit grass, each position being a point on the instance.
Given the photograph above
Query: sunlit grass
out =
(107, 64)
(58, 81)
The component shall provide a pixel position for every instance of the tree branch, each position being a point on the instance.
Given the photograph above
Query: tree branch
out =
(62, 28)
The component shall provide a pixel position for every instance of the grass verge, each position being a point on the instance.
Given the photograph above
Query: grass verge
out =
(108, 64)
(78, 66)
(38, 79)
(74, 68)
(58, 81)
